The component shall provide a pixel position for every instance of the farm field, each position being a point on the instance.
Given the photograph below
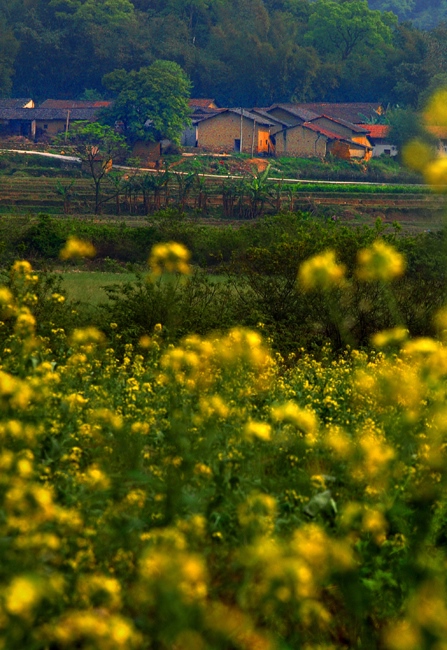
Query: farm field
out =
(88, 286)
(415, 209)
(213, 493)
(228, 437)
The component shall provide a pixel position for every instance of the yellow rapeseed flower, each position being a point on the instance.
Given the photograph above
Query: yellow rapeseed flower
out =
(260, 430)
(435, 113)
(171, 257)
(75, 247)
(435, 172)
(304, 419)
(389, 337)
(416, 155)
(22, 595)
(380, 262)
(321, 272)
(403, 635)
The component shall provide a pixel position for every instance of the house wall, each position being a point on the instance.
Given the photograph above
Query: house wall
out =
(300, 142)
(285, 116)
(344, 131)
(188, 137)
(362, 139)
(347, 151)
(360, 153)
(52, 126)
(220, 132)
(385, 148)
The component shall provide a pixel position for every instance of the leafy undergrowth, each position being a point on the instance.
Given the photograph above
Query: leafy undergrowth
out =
(211, 495)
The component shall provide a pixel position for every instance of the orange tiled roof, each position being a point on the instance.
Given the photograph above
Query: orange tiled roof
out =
(438, 131)
(202, 103)
(377, 130)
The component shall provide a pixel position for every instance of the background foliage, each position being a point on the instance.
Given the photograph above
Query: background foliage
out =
(250, 52)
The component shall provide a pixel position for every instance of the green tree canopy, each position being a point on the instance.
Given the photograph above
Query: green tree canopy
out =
(97, 146)
(151, 103)
(342, 28)
(8, 51)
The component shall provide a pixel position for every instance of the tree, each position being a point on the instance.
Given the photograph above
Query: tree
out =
(151, 103)
(8, 50)
(97, 146)
(405, 126)
(344, 28)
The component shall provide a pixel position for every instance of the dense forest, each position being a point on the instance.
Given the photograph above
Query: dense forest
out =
(240, 52)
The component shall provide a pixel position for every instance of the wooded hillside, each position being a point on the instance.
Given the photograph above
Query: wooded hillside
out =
(240, 52)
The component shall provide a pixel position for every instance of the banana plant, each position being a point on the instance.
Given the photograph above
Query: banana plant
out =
(258, 191)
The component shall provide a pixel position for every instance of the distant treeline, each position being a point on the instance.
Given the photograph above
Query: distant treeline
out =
(240, 52)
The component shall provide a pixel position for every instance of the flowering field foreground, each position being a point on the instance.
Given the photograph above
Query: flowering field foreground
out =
(212, 496)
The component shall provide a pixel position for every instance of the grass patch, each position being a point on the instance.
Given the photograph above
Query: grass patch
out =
(88, 286)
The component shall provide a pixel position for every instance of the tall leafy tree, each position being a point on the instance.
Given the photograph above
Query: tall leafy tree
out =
(8, 51)
(151, 103)
(342, 29)
(97, 146)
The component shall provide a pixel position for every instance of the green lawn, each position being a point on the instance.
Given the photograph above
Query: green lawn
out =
(88, 286)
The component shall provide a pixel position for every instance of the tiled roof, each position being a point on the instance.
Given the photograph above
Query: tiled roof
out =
(329, 134)
(248, 114)
(438, 131)
(202, 103)
(47, 114)
(71, 104)
(15, 103)
(354, 112)
(296, 110)
(263, 113)
(356, 128)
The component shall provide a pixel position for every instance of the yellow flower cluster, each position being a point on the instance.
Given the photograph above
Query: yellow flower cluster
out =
(209, 494)
(75, 247)
(171, 257)
(380, 262)
(321, 272)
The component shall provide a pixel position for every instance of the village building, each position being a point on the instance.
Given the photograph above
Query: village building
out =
(354, 112)
(311, 140)
(195, 103)
(23, 102)
(278, 123)
(235, 129)
(379, 138)
(69, 104)
(290, 114)
(35, 123)
(348, 130)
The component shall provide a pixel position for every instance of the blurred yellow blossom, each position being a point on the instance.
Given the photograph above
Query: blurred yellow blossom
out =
(435, 113)
(435, 172)
(171, 257)
(417, 155)
(75, 247)
(260, 430)
(380, 262)
(321, 272)
(23, 594)
(389, 337)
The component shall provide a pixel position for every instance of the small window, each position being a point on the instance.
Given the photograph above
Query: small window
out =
(45, 126)
(237, 144)
(387, 152)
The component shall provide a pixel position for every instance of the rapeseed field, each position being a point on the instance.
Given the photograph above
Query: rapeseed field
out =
(213, 494)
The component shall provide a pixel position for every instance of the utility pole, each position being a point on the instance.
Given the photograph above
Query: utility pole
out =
(67, 123)
(253, 139)
(240, 140)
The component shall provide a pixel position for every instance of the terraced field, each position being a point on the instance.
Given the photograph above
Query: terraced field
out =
(217, 197)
